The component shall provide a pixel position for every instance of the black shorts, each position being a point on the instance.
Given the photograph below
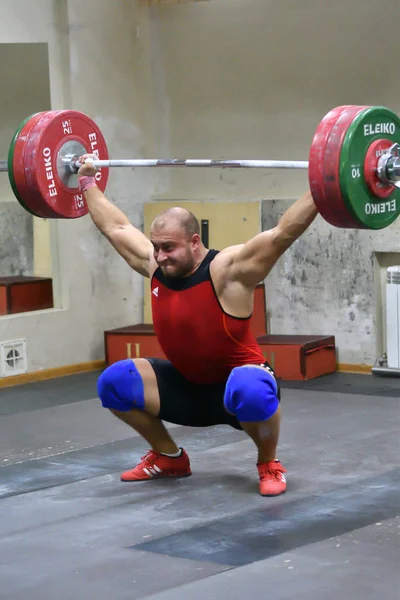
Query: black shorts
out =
(185, 403)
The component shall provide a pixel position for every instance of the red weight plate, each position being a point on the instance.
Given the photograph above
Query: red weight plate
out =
(374, 152)
(333, 192)
(28, 196)
(48, 141)
(41, 208)
(316, 164)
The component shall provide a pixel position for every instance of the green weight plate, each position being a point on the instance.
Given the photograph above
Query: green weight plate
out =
(11, 169)
(371, 124)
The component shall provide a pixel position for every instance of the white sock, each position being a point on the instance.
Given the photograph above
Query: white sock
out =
(173, 455)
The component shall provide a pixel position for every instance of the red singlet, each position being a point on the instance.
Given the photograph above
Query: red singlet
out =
(202, 341)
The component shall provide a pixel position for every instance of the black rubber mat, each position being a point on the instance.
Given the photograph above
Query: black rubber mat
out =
(259, 534)
(79, 465)
(349, 383)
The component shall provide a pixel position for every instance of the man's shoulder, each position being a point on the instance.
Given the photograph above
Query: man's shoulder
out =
(226, 256)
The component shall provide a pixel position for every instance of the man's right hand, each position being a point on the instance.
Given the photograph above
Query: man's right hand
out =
(87, 169)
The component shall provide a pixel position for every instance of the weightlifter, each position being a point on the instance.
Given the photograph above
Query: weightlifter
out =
(202, 301)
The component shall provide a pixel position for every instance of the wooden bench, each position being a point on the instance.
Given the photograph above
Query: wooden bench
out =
(299, 357)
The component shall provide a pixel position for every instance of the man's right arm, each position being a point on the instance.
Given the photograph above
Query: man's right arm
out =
(128, 241)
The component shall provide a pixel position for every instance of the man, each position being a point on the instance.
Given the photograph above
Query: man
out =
(202, 301)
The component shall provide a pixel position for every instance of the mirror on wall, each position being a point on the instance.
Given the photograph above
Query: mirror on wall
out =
(25, 265)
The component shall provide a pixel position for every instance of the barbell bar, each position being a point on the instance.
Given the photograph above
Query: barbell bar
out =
(74, 165)
(353, 166)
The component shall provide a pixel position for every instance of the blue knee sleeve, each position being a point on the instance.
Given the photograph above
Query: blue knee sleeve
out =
(120, 387)
(251, 394)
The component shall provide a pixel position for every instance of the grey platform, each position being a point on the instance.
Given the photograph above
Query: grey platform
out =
(69, 529)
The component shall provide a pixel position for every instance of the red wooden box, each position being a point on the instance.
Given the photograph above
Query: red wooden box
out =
(299, 357)
(22, 294)
(133, 341)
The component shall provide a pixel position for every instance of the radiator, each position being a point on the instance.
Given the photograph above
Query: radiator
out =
(393, 317)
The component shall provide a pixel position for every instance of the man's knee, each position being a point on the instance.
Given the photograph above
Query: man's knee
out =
(251, 394)
(120, 387)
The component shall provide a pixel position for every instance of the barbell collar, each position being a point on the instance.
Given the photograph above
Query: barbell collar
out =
(388, 169)
(393, 170)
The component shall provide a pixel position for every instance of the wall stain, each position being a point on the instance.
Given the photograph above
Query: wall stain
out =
(324, 284)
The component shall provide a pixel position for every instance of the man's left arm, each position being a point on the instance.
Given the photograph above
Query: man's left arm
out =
(252, 263)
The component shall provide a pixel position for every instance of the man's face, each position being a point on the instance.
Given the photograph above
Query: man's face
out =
(173, 250)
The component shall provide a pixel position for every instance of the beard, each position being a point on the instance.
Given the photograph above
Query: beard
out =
(177, 270)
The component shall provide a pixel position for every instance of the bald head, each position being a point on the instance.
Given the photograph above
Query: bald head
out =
(178, 249)
(177, 216)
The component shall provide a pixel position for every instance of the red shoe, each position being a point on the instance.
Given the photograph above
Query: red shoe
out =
(272, 478)
(155, 465)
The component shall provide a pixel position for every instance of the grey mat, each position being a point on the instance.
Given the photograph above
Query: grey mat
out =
(53, 392)
(99, 460)
(361, 565)
(349, 383)
(70, 529)
(263, 533)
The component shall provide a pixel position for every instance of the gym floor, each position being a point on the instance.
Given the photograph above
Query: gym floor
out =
(71, 530)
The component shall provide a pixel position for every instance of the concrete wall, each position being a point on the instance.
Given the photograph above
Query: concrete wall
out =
(332, 282)
(223, 79)
(24, 71)
(97, 64)
(16, 235)
(252, 80)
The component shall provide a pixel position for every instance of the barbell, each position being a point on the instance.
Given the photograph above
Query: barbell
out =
(353, 165)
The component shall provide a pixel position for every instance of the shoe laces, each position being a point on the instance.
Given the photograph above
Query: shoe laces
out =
(271, 469)
(150, 457)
